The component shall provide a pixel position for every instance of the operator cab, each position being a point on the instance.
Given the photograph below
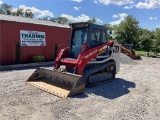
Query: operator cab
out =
(86, 33)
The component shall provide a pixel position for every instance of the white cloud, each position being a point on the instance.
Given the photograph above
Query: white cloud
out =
(96, 2)
(37, 13)
(148, 4)
(77, 8)
(116, 22)
(146, 0)
(157, 26)
(115, 16)
(116, 2)
(99, 20)
(121, 16)
(128, 7)
(81, 18)
(1, 2)
(77, 0)
(153, 18)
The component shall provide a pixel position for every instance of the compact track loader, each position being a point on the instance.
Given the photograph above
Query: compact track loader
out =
(89, 60)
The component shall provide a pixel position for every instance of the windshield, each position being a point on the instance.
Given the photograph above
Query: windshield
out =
(79, 37)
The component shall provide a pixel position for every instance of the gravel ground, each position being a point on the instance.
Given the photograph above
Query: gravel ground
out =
(133, 95)
(124, 59)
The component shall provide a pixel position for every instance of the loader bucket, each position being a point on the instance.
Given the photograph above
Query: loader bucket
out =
(61, 84)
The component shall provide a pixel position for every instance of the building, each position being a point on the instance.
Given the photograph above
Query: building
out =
(35, 37)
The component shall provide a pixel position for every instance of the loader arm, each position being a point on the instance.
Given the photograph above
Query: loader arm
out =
(83, 58)
(125, 50)
(131, 53)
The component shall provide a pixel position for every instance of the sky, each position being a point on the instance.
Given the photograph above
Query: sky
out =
(112, 12)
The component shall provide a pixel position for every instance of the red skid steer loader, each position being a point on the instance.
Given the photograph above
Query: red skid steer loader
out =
(89, 60)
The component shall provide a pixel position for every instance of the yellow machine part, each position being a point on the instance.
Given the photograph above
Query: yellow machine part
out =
(61, 84)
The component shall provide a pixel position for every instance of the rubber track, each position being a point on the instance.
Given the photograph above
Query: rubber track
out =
(95, 70)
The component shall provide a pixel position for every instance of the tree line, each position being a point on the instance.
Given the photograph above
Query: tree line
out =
(8, 10)
(127, 32)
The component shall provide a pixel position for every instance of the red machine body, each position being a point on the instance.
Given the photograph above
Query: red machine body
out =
(80, 63)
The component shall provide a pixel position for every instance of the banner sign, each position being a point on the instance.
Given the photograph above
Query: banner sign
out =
(32, 38)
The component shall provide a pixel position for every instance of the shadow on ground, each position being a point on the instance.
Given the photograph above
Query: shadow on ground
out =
(111, 90)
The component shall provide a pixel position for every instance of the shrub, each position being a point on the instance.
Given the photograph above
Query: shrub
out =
(38, 58)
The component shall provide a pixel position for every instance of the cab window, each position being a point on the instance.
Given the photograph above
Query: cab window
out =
(95, 37)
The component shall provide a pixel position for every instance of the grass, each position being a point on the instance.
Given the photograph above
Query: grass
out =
(144, 53)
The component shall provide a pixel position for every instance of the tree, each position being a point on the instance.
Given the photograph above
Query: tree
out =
(6, 9)
(43, 18)
(127, 31)
(145, 40)
(92, 20)
(109, 30)
(19, 12)
(28, 13)
(156, 46)
(1, 11)
(62, 20)
(52, 19)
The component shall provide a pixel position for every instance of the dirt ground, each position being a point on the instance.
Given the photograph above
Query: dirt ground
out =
(133, 95)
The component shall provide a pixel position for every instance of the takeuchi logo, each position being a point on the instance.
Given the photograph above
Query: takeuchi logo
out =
(90, 54)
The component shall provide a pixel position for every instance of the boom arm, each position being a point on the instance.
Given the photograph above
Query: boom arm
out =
(125, 50)
(82, 59)
(131, 53)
